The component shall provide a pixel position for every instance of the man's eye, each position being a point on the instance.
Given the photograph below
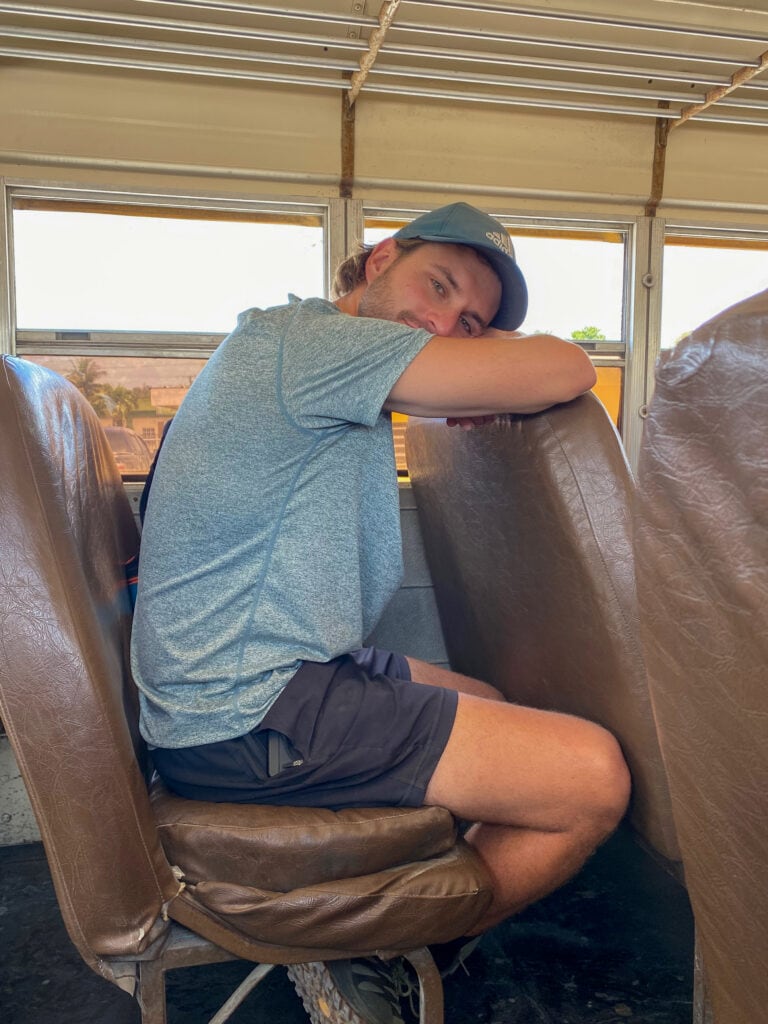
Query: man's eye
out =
(438, 287)
(466, 325)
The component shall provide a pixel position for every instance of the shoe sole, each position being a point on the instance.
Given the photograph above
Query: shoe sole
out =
(320, 996)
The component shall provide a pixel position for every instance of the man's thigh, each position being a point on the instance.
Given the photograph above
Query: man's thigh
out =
(520, 766)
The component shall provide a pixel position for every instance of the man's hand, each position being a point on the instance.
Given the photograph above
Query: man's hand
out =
(469, 422)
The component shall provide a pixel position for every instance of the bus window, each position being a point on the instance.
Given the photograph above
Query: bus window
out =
(705, 275)
(128, 302)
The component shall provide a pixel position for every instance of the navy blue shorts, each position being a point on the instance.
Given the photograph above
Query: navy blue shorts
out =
(352, 732)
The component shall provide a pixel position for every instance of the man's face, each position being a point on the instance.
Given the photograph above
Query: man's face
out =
(446, 289)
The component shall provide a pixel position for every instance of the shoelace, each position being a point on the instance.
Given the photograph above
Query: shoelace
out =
(407, 984)
(388, 981)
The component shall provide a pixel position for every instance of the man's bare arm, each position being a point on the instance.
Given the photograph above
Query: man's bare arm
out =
(498, 372)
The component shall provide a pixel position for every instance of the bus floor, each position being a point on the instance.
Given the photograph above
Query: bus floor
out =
(613, 946)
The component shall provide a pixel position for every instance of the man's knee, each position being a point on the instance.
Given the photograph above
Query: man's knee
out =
(610, 784)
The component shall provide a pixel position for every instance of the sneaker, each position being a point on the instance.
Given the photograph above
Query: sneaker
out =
(360, 991)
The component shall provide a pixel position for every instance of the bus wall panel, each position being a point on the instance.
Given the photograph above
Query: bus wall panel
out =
(716, 163)
(503, 148)
(164, 119)
(234, 138)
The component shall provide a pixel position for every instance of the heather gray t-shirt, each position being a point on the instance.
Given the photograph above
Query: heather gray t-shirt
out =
(272, 532)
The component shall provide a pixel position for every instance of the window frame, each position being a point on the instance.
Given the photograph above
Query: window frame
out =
(166, 344)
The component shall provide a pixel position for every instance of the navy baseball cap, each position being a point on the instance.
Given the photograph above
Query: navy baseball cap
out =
(462, 224)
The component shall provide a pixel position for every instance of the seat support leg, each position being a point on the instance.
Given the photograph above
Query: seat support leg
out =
(151, 992)
(242, 990)
(430, 986)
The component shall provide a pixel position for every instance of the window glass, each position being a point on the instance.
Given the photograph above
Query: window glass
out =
(702, 277)
(79, 270)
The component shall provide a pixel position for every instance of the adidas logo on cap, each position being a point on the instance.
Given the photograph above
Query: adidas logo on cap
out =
(502, 242)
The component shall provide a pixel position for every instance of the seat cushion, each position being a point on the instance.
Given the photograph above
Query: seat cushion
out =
(287, 883)
(285, 848)
(403, 907)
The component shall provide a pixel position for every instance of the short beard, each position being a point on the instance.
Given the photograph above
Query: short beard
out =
(378, 302)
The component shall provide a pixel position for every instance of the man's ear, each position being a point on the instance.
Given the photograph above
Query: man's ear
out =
(382, 256)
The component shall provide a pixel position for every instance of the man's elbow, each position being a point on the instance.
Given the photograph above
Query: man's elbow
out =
(582, 375)
(576, 372)
(574, 380)
(587, 376)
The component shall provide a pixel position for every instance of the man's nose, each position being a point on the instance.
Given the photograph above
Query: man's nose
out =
(442, 322)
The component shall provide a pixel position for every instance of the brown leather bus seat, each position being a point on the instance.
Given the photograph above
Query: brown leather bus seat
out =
(702, 563)
(277, 885)
(527, 530)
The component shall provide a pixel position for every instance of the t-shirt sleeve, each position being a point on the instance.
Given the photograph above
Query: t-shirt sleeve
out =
(336, 368)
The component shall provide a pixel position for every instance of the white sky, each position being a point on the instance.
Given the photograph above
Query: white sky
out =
(78, 271)
(700, 282)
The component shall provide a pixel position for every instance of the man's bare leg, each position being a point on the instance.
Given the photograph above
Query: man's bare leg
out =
(544, 788)
(434, 675)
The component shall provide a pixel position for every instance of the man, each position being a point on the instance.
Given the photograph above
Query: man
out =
(272, 545)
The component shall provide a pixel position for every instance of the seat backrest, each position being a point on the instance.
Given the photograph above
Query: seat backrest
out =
(69, 705)
(702, 563)
(66, 697)
(526, 526)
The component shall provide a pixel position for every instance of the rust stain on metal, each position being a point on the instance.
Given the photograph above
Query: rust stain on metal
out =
(659, 162)
(346, 184)
(368, 59)
(718, 92)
